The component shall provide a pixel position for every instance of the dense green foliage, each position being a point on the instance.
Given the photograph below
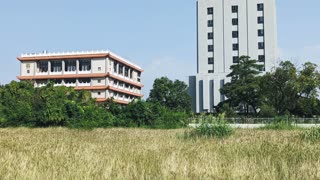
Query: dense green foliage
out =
(23, 105)
(171, 94)
(286, 90)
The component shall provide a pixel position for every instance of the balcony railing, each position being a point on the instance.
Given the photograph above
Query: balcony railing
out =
(70, 84)
(84, 84)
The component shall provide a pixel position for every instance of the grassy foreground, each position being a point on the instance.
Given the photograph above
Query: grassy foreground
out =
(59, 153)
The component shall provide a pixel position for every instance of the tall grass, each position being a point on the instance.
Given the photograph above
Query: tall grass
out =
(312, 134)
(59, 153)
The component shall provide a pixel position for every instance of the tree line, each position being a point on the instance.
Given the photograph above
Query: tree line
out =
(23, 105)
(286, 90)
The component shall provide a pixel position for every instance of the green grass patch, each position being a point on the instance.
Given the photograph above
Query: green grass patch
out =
(281, 123)
(312, 134)
(215, 130)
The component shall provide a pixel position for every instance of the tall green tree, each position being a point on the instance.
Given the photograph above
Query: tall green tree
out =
(171, 94)
(280, 88)
(16, 99)
(244, 89)
(308, 86)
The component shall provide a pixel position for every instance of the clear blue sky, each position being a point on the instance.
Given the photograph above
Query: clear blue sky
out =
(160, 36)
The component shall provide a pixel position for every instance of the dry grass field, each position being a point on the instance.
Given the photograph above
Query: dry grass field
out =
(59, 153)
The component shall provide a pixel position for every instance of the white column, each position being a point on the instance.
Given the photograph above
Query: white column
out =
(63, 66)
(49, 67)
(77, 66)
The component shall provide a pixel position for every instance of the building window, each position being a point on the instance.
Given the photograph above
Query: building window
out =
(210, 10)
(99, 80)
(28, 71)
(210, 23)
(115, 67)
(131, 74)
(210, 35)
(260, 20)
(70, 65)
(210, 71)
(235, 59)
(70, 81)
(260, 7)
(235, 34)
(57, 81)
(84, 80)
(210, 48)
(85, 65)
(260, 32)
(43, 66)
(56, 66)
(99, 68)
(261, 58)
(210, 60)
(234, 9)
(261, 45)
(235, 47)
(235, 21)
(126, 72)
(99, 93)
(121, 69)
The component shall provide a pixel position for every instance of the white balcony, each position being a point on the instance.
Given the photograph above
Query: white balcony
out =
(41, 85)
(70, 84)
(42, 73)
(84, 84)
(84, 72)
(56, 73)
(70, 72)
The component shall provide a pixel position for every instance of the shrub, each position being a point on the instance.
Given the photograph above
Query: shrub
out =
(171, 120)
(217, 129)
(92, 117)
(280, 123)
(312, 134)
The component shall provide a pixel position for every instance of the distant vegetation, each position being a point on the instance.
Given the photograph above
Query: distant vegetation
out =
(286, 90)
(23, 105)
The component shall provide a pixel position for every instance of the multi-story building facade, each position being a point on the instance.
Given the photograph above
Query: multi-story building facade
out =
(103, 73)
(226, 30)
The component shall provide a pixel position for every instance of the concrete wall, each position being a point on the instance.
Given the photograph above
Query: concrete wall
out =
(26, 67)
(95, 82)
(95, 94)
(98, 63)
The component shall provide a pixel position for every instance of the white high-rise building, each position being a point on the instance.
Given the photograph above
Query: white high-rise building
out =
(226, 30)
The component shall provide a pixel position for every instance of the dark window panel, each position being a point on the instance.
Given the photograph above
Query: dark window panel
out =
(234, 9)
(235, 21)
(261, 58)
(235, 34)
(260, 32)
(235, 59)
(260, 20)
(210, 35)
(235, 47)
(210, 48)
(261, 45)
(260, 7)
(210, 60)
